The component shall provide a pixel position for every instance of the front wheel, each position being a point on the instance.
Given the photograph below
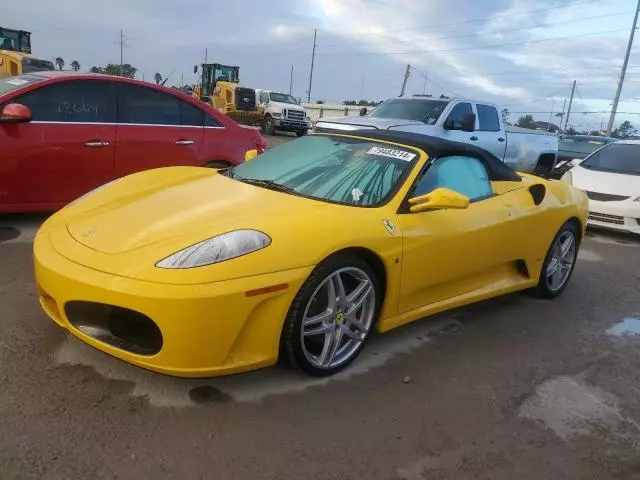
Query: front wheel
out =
(302, 133)
(559, 262)
(332, 316)
(268, 126)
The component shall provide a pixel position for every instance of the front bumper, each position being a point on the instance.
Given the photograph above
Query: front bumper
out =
(207, 329)
(621, 216)
(290, 125)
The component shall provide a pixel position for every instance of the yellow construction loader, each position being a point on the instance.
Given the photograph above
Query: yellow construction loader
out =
(220, 86)
(15, 54)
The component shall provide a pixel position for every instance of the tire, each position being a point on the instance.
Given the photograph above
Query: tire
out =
(268, 127)
(336, 337)
(302, 133)
(217, 164)
(547, 287)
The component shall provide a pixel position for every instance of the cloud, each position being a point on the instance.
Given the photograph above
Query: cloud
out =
(496, 50)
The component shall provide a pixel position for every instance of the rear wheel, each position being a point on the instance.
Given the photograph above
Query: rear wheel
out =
(559, 262)
(332, 316)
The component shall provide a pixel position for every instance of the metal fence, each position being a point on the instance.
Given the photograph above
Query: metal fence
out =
(316, 111)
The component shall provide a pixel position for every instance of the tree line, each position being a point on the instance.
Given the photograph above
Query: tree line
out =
(624, 130)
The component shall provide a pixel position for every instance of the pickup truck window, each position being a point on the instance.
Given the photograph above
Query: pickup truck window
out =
(488, 117)
(282, 98)
(459, 112)
(427, 111)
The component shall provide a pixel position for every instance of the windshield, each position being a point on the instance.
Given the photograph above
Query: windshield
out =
(427, 111)
(36, 65)
(10, 84)
(615, 158)
(580, 145)
(282, 97)
(341, 170)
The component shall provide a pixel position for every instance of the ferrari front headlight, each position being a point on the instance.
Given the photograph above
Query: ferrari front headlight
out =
(217, 249)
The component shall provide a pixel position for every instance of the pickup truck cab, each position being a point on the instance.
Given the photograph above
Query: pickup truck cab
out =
(461, 120)
(282, 112)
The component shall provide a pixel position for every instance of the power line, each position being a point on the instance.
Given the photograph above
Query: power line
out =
(472, 20)
(528, 42)
(536, 99)
(540, 25)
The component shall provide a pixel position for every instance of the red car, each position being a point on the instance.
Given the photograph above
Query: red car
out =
(63, 134)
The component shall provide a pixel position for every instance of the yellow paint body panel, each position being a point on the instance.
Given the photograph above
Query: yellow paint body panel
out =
(104, 248)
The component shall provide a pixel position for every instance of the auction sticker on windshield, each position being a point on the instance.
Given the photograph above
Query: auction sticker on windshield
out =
(392, 153)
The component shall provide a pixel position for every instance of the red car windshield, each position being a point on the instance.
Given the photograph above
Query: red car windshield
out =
(10, 84)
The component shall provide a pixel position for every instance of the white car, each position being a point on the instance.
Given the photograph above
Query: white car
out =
(610, 177)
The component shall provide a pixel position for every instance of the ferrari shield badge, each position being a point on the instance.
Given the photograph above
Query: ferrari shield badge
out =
(388, 224)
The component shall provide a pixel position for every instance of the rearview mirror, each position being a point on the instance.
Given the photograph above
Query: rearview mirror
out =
(15, 113)
(363, 111)
(438, 199)
(195, 69)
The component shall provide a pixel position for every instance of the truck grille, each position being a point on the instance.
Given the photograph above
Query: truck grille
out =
(295, 115)
(604, 218)
(604, 197)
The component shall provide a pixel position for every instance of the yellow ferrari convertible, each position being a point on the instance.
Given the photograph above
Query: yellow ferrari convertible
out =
(300, 252)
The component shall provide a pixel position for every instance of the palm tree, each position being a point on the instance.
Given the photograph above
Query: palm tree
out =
(158, 78)
(75, 65)
(59, 63)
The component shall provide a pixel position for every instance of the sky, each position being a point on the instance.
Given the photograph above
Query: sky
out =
(518, 54)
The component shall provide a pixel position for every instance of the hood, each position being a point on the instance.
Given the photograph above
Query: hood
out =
(606, 182)
(288, 106)
(186, 206)
(379, 123)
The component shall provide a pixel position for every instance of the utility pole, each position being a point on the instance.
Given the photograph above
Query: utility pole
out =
(291, 81)
(182, 80)
(406, 77)
(424, 86)
(566, 121)
(362, 88)
(551, 114)
(623, 72)
(206, 52)
(313, 57)
(121, 48)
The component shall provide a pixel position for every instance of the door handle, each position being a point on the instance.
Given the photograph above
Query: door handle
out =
(184, 142)
(96, 144)
(474, 138)
(501, 139)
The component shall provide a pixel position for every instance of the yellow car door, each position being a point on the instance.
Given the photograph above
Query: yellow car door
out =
(448, 252)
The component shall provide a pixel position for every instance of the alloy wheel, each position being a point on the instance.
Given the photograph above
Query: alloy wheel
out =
(338, 317)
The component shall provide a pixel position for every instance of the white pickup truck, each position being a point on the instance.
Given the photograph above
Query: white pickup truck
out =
(282, 112)
(461, 120)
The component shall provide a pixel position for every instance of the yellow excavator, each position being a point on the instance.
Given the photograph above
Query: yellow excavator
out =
(15, 54)
(220, 87)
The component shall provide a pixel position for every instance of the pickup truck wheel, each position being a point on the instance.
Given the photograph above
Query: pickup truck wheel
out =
(268, 127)
(301, 133)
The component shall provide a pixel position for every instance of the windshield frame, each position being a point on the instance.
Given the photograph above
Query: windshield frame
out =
(285, 95)
(421, 157)
(585, 163)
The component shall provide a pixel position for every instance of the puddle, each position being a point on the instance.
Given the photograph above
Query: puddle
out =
(8, 233)
(586, 255)
(569, 407)
(165, 391)
(627, 327)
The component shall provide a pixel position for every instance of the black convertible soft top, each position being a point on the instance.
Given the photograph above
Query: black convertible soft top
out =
(437, 147)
